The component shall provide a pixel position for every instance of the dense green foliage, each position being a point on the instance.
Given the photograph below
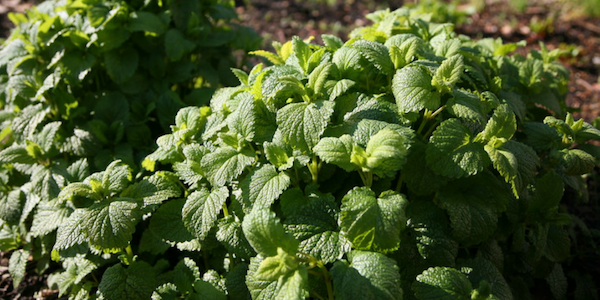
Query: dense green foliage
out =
(407, 162)
(83, 83)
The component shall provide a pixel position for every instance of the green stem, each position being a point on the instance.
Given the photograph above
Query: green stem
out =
(225, 210)
(426, 116)
(400, 182)
(314, 167)
(367, 178)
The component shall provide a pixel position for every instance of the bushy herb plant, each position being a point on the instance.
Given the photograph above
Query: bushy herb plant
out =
(85, 82)
(407, 162)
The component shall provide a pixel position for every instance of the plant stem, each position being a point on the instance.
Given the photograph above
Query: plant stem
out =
(225, 210)
(400, 182)
(314, 167)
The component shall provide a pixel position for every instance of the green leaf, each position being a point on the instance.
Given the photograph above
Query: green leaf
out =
(109, 225)
(413, 91)
(558, 282)
(302, 124)
(549, 190)
(121, 64)
(243, 119)
(432, 233)
(70, 232)
(442, 283)
(368, 275)
(503, 124)
(314, 223)
(449, 72)
(347, 60)
(154, 189)
(116, 177)
(16, 154)
(137, 281)
(340, 88)
(186, 272)
(167, 222)
(11, 206)
(273, 267)
(225, 164)
(474, 205)
(265, 233)
(386, 153)
(145, 21)
(302, 52)
(336, 151)
(542, 136)
(527, 163)
(373, 223)
(231, 235)
(577, 162)
(48, 217)
(466, 105)
(451, 151)
(202, 208)
(482, 269)
(16, 266)
(264, 186)
(272, 57)
(375, 53)
(317, 78)
(293, 285)
(176, 45)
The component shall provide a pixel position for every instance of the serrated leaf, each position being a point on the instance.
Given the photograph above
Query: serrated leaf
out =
(48, 217)
(16, 266)
(314, 223)
(347, 61)
(451, 151)
(225, 164)
(70, 232)
(186, 272)
(503, 124)
(340, 88)
(577, 162)
(16, 154)
(272, 57)
(202, 208)
(466, 105)
(153, 189)
(236, 282)
(527, 162)
(474, 205)
(302, 124)
(167, 222)
(482, 269)
(336, 151)
(368, 275)
(231, 235)
(176, 45)
(265, 233)
(372, 223)
(242, 120)
(264, 186)
(11, 206)
(558, 282)
(549, 190)
(375, 53)
(541, 136)
(442, 283)
(332, 42)
(121, 64)
(116, 177)
(317, 78)
(413, 91)
(293, 285)
(273, 267)
(145, 21)
(386, 153)
(302, 52)
(109, 225)
(505, 162)
(432, 233)
(449, 72)
(137, 281)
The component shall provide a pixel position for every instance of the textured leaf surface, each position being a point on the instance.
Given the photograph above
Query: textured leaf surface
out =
(109, 225)
(413, 91)
(368, 275)
(264, 186)
(225, 164)
(302, 124)
(293, 285)
(372, 223)
(442, 283)
(451, 151)
(134, 282)
(336, 151)
(201, 209)
(265, 233)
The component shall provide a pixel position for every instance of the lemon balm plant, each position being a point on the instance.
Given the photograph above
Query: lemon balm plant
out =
(86, 82)
(407, 162)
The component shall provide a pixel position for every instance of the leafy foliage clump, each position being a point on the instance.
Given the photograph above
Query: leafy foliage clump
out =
(84, 83)
(407, 162)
